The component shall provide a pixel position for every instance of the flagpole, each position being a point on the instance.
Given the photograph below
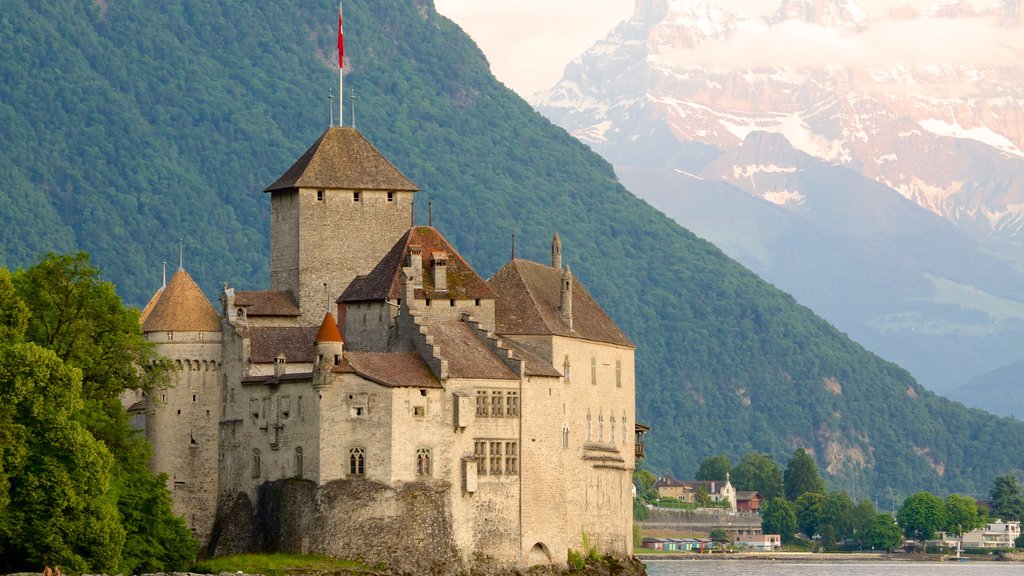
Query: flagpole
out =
(341, 70)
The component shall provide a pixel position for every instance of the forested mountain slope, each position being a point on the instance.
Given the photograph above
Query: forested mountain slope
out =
(127, 128)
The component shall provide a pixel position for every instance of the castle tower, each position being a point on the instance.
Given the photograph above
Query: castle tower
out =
(334, 214)
(182, 419)
(329, 350)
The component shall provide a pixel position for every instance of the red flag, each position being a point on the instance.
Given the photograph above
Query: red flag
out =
(341, 41)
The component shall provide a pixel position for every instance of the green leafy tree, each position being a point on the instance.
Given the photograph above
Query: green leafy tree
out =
(884, 534)
(863, 519)
(778, 517)
(1005, 500)
(758, 472)
(962, 516)
(645, 481)
(719, 535)
(702, 498)
(802, 476)
(714, 468)
(921, 515)
(80, 319)
(808, 512)
(836, 512)
(59, 511)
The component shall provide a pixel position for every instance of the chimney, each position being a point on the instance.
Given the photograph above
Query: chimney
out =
(440, 269)
(565, 310)
(556, 252)
(416, 262)
(279, 366)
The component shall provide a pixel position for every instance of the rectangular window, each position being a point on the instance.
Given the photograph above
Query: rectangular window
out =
(355, 196)
(319, 195)
(496, 404)
(254, 407)
(512, 404)
(419, 411)
(481, 403)
(618, 373)
(511, 458)
(593, 371)
(391, 196)
(495, 457)
(480, 451)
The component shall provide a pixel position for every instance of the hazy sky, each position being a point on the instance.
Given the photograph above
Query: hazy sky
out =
(529, 42)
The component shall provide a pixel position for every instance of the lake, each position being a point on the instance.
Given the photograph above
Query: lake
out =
(784, 568)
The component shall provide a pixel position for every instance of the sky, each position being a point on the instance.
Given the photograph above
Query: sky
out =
(529, 42)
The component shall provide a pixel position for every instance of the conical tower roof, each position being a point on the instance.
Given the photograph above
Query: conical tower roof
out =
(328, 330)
(180, 307)
(343, 158)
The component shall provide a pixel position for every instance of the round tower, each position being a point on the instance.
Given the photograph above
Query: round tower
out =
(329, 350)
(182, 419)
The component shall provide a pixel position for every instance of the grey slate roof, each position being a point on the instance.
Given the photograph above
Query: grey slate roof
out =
(267, 302)
(529, 298)
(297, 344)
(343, 158)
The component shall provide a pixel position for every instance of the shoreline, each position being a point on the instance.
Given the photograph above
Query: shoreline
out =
(829, 557)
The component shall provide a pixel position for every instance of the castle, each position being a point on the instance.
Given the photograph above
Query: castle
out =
(382, 401)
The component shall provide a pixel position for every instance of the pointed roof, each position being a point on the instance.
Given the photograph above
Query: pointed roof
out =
(180, 307)
(328, 330)
(529, 299)
(385, 280)
(343, 158)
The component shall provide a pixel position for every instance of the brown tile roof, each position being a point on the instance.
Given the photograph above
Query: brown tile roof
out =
(267, 303)
(467, 355)
(385, 280)
(329, 330)
(295, 343)
(149, 306)
(535, 365)
(391, 369)
(343, 158)
(180, 307)
(529, 300)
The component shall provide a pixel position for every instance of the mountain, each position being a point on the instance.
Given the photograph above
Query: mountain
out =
(999, 391)
(886, 196)
(128, 128)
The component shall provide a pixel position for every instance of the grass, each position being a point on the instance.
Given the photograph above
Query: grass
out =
(279, 565)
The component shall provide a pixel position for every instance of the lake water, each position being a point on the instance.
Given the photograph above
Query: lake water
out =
(783, 568)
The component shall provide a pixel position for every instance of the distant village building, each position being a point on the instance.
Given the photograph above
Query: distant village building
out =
(688, 490)
(763, 542)
(383, 401)
(997, 534)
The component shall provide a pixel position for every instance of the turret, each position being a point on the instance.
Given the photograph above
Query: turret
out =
(329, 349)
(565, 310)
(556, 252)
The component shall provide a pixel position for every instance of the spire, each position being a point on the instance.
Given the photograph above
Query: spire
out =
(556, 252)
(328, 330)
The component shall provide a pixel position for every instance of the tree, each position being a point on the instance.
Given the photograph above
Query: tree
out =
(1005, 500)
(808, 511)
(714, 468)
(758, 472)
(778, 517)
(836, 513)
(863, 519)
(701, 497)
(802, 476)
(884, 533)
(645, 481)
(86, 330)
(921, 515)
(962, 515)
(59, 509)
(719, 535)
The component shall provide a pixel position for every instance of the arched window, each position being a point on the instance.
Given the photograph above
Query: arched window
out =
(590, 427)
(298, 462)
(255, 462)
(423, 463)
(565, 369)
(611, 434)
(565, 435)
(357, 462)
(600, 427)
(624, 437)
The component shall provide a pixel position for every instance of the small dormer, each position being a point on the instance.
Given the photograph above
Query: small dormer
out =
(439, 267)
(280, 366)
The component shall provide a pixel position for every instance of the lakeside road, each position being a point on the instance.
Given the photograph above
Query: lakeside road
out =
(829, 557)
